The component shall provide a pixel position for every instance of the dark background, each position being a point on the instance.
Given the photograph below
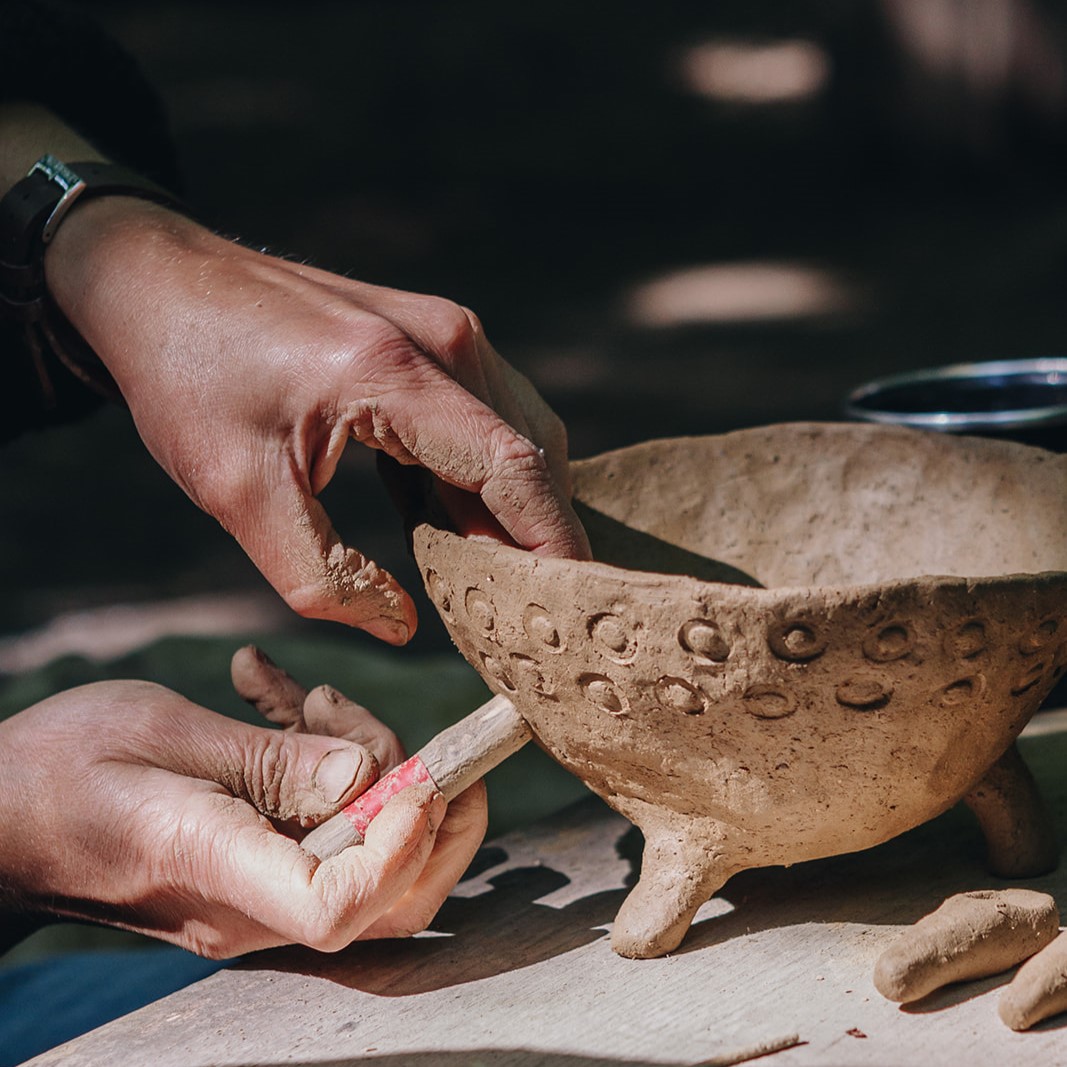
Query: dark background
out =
(541, 162)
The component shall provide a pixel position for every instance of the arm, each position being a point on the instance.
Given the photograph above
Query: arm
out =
(247, 375)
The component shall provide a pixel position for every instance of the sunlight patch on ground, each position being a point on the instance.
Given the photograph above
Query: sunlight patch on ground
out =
(104, 633)
(738, 292)
(754, 72)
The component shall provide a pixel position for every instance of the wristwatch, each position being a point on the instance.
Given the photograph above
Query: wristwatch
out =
(30, 214)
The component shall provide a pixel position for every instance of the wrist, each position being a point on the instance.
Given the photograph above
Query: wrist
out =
(32, 214)
(102, 267)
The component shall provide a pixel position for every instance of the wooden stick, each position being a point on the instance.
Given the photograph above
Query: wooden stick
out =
(454, 759)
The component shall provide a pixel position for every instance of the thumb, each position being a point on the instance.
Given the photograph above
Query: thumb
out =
(288, 535)
(305, 777)
(282, 774)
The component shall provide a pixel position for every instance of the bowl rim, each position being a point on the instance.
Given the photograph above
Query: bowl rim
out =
(654, 579)
(963, 421)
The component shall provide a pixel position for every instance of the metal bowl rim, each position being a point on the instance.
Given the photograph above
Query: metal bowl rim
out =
(1010, 418)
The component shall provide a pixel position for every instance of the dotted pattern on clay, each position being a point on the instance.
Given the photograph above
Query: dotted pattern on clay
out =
(528, 677)
(796, 641)
(863, 694)
(541, 628)
(962, 691)
(480, 610)
(1029, 678)
(704, 639)
(498, 669)
(1039, 638)
(678, 695)
(439, 592)
(769, 701)
(612, 636)
(889, 643)
(601, 692)
(969, 640)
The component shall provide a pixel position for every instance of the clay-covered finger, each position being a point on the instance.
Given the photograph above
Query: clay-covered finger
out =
(328, 711)
(1039, 990)
(971, 935)
(273, 692)
(290, 538)
(282, 894)
(458, 839)
(283, 774)
(360, 885)
(468, 445)
(545, 427)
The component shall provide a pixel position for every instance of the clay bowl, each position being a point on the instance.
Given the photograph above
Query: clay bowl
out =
(906, 620)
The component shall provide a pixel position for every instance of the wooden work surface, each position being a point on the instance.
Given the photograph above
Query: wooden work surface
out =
(520, 971)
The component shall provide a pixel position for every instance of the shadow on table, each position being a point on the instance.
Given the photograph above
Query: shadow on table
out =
(504, 929)
(510, 926)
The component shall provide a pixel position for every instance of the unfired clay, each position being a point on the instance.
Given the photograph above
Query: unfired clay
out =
(971, 935)
(912, 620)
(1039, 990)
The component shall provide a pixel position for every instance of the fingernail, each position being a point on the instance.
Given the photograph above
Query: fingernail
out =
(262, 656)
(436, 814)
(392, 630)
(336, 773)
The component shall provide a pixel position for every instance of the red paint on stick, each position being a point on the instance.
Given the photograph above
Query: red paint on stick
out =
(363, 810)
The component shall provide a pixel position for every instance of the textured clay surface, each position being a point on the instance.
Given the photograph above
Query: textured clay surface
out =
(875, 615)
(970, 936)
(1039, 990)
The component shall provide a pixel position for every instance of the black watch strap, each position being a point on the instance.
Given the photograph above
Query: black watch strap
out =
(30, 213)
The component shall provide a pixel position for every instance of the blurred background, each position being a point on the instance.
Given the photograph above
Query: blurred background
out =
(680, 218)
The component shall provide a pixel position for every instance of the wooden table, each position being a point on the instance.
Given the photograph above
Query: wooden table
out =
(519, 971)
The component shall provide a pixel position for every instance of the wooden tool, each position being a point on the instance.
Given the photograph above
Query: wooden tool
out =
(454, 759)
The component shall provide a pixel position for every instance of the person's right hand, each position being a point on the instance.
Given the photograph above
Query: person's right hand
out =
(247, 375)
(126, 804)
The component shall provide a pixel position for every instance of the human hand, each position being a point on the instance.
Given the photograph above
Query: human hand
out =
(247, 375)
(278, 697)
(126, 804)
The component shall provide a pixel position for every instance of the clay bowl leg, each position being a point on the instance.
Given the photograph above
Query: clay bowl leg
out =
(1019, 834)
(682, 867)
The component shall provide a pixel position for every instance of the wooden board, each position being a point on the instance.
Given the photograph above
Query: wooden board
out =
(518, 970)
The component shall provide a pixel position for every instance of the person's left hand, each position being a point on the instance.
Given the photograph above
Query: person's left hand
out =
(125, 803)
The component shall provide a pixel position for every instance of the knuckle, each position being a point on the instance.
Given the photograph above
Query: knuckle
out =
(455, 329)
(474, 322)
(388, 351)
(265, 772)
(516, 457)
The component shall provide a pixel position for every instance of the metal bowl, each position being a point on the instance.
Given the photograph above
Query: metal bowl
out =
(1004, 397)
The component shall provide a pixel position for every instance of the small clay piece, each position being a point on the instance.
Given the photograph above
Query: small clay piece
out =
(971, 935)
(797, 641)
(1039, 990)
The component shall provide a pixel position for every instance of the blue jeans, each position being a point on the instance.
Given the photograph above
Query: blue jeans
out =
(45, 1003)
